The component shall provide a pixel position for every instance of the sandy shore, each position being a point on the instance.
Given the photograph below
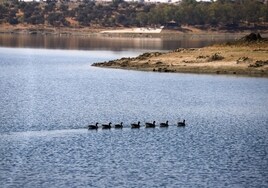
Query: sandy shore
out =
(241, 59)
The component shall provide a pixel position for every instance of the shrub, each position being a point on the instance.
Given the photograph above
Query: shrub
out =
(216, 57)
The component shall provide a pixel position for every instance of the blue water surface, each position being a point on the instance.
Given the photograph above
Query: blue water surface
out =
(48, 97)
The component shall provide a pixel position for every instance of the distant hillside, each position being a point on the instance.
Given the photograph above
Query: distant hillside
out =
(221, 14)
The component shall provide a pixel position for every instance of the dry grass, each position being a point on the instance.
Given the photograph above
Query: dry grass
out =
(225, 59)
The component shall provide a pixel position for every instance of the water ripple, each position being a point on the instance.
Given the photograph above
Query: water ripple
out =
(47, 100)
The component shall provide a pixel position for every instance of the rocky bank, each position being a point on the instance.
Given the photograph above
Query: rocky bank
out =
(247, 56)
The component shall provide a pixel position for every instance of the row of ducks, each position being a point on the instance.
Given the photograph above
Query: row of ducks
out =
(134, 125)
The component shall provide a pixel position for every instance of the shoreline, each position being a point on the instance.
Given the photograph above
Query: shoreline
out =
(197, 70)
(247, 59)
(111, 31)
(223, 73)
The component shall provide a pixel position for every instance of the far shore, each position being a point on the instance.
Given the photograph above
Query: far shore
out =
(240, 58)
(92, 31)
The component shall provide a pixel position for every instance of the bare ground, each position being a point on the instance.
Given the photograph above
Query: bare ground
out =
(245, 58)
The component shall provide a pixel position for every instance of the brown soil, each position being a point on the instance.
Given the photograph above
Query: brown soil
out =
(242, 58)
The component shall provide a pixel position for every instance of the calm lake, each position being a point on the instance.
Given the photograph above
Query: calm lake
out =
(49, 96)
(96, 42)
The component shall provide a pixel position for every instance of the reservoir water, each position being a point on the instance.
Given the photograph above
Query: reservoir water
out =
(96, 42)
(48, 97)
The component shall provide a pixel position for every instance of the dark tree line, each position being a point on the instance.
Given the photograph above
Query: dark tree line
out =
(119, 13)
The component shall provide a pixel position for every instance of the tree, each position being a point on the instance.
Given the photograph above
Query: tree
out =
(3, 12)
(57, 19)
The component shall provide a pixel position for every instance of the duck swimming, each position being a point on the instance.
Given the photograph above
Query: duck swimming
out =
(150, 125)
(118, 126)
(93, 126)
(135, 125)
(164, 124)
(105, 126)
(181, 124)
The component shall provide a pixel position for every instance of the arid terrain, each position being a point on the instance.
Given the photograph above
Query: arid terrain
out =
(247, 56)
